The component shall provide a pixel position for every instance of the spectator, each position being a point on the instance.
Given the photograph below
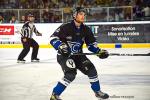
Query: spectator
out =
(140, 11)
(127, 2)
(57, 18)
(127, 13)
(1, 19)
(22, 4)
(146, 11)
(13, 19)
(137, 10)
(87, 4)
(104, 2)
(119, 14)
(12, 3)
(40, 4)
(46, 15)
(2, 4)
(67, 11)
(52, 19)
(23, 19)
(119, 3)
(146, 2)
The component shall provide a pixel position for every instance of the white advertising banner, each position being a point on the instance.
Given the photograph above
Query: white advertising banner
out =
(107, 32)
(10, 33)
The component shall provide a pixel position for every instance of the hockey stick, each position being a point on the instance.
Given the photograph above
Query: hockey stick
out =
(113, 54)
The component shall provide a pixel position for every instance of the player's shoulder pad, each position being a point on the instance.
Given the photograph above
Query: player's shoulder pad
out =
(65, 24)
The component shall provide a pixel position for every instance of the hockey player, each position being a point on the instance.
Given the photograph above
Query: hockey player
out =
(27, 40)
(69, 38)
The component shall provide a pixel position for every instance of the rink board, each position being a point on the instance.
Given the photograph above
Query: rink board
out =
(135, 34)
(111, 45)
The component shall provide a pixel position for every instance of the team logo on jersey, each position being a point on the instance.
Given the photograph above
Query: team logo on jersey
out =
(74, 46)
(70, 63)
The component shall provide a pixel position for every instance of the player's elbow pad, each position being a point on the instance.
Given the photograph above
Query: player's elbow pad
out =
(55, 43)
(92, 48)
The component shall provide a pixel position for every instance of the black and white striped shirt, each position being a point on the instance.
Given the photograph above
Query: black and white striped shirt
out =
(28, 29)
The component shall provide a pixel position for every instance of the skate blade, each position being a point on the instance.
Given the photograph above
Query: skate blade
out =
(22, 62)
(35, 61)
(103, 99)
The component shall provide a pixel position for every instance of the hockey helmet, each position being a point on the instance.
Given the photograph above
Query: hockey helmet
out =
(30, 15)
(77, 10)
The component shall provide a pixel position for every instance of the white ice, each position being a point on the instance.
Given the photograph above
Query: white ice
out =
(119, 76)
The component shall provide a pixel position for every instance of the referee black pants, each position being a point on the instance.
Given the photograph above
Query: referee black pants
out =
(26, 48)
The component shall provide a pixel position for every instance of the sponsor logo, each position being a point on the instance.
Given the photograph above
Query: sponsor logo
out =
(6, 30)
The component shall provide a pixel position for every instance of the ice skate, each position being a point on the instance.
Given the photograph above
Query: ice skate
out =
(55, 97)
(35, 60)
(21, 61)
(101, 95)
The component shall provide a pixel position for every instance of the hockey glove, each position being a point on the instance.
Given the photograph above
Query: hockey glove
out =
(63, 49)
(39, 34)
(103, 54)
(24, 40)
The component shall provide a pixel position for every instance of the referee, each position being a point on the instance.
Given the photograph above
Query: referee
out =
(26, 38)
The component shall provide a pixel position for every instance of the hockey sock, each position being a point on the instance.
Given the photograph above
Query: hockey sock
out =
(95, 86)
(59, 88)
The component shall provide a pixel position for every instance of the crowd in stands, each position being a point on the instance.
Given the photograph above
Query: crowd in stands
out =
(49, 11)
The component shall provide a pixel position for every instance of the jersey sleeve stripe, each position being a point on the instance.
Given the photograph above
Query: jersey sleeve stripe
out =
(55, 43)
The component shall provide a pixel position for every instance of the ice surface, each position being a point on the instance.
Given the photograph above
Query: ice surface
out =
(119, 76)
